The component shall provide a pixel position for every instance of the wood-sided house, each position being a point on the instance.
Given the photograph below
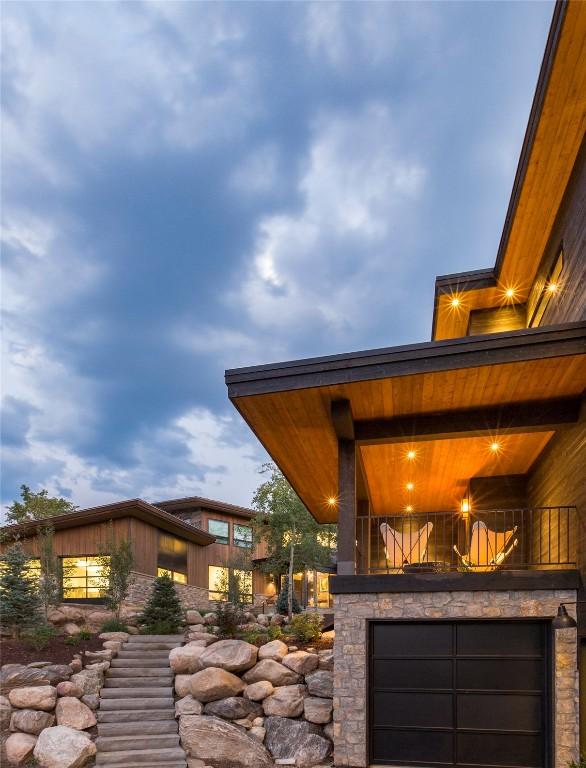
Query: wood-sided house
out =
(456, 472)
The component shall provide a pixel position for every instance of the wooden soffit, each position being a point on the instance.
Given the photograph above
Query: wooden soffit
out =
(288, 405)
(553, 139)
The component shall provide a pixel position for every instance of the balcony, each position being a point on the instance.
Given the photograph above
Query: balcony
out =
(544, 538)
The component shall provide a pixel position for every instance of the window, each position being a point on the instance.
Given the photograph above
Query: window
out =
(544, 289)
(83, 578)
(172, 557)
(219, 577)
(242, 536)
(219, 529)
(32, 569)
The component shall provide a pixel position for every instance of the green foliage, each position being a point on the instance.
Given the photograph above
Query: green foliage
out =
(37, 506)
(50, 577)
(274, 632)
(19, 597)
(581, 764)
(116, 561)
(306, 626)
(255, 636)
(114, 625)
(163, 609)
(283, 599)
(39, 637)
(228, 619)
(85, 634)
(73, 640)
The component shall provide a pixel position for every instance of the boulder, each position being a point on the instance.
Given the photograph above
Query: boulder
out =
(231, 655)
(286, 701)
(39, 664)
(214, 740)
(75, 665)
(31, 721)
(34, 697)
(57, 673)
(18, 676)
(56, 617)
(74, 713)
(5, 713)
(113, 645)
(133, 630)
(326, 659)
(263, 619)
(98, 666)
(275, 650)
(258, 732)
(186, 659)
(205, 637)
(120, 636)
(73, 614)
(258, 721)
(317, 710)
(284, 735)
(19, 747)
(105, 655)
(182, 685)
(89, 680)
(329, 731)
(301, 662)
(67, 688)
(70, 628)
(62, 747)
(277, 620)
(209, 619)
(313, 750)
(321, 683)
(233, 708)
(188, 706)
(193, 617)
(91, 700)
(97, 618)
(213, 683)
(270, 670)
(258, 691)
(244, 722)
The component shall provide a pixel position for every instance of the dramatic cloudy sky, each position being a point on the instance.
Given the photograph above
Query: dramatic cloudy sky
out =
(197, 186)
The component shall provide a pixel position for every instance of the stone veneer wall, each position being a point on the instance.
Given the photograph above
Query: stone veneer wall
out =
(351, 663)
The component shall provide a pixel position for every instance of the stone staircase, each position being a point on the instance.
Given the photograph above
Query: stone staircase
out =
(136, 718)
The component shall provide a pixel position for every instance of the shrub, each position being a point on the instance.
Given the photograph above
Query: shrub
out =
(282, 600)
(40, 637)
(274, 632)
(162, 627)
(228, 619)
(580, 764)
(114, 625)
(163, 614)
(255, 636)
(85, 634)
(306, 626)
(19, 596)
(73, 640)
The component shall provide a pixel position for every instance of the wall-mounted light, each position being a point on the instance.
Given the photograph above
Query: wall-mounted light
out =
(409, 508)
(563, 620)
(465, 507)
(332, 501)
(510, 293)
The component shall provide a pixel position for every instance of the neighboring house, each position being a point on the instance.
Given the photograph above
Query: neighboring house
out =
(456, 472)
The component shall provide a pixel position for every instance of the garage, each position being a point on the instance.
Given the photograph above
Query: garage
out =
(460, 693)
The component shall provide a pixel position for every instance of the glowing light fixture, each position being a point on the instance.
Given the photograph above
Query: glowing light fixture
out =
(510, 293)
(553, 287)
(411, 454)
(409, 508)
(410, 486)
(455, 302)
(332, 501)
(465, 506)
(495, 446)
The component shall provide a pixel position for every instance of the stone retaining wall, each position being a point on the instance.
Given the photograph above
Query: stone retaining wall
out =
(352, 613)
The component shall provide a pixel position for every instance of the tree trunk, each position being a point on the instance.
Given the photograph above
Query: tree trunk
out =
(290, 590)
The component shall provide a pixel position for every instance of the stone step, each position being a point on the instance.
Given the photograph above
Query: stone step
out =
(117, 663)
(158, 646)
(139, 693)
(133, 715)
(135, 703)
(137, 742)
(131, 653)
(172, 764)
(138, 672)
(138, 682)
(141, 756)
(156, 639)
(138, 728)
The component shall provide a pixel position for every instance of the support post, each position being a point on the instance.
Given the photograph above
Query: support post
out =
(346, 507)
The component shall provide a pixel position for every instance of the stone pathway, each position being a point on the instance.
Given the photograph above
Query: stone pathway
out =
(136, 718)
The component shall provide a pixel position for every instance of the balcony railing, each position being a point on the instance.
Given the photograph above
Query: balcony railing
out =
(483, 540)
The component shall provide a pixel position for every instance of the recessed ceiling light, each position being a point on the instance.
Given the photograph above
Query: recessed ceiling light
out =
(411, 454)
(455, 302)
(495, 446)
(553, 287)
(409, 486)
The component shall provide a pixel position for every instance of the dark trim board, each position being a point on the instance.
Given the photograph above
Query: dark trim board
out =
(455, 582)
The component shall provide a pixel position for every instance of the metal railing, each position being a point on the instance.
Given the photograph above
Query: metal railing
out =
(481, 540)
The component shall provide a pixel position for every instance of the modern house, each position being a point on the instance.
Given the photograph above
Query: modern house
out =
(455, 469)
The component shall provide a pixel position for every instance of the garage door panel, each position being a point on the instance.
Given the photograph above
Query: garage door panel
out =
(500, 712)
(431, 747)
(417, 710)
(500, 674)
(407, 640)
(499, 749)
(413, 673)
(486, 639)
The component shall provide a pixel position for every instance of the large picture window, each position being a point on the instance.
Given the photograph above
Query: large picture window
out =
(177, 576)
(220, 529)
(242, 536)
(218, 582)
(172, 557)
(83, 578)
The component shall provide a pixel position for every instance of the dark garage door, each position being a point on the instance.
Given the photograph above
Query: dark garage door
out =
(464, 693)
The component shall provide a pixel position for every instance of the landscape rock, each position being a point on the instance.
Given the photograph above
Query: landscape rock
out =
(57, 673)
(329, 731)
(233, 708)
(317, 710)
(70, 628)
(194, 617)
(284, 735)
(98, 666)
(56, 617)
(31, 721)
(209, 619)
(19, 747)
(213, 683)
(74, 713)
(105, 655)
(320, 683)
(73, 614)
(215, 740)
(231, 655)
(206, 637)
(120, 636)
(39, 664)
(270, 670)
(301, 662)
(275, 650)
(258, 732)
(18, 676)
(63, 747)
(113, 645)
(188, 706)
(313, 750)
(75, 665)
(67, 688)
(286, 701)
(34, 697)
(91, 700)
(89, 680)
(258, 721)
(263, 619)
(5, 713)
(186, 659)
(182, 685)
(277, 620)
(97, 618)
(326, 659)
(259, 691)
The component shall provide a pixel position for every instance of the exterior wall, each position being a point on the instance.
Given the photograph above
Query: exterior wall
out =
(82, 540)
(351, 662)
(190, 596)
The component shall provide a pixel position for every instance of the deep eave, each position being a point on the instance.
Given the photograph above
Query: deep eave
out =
(136, 508)
(199, 502)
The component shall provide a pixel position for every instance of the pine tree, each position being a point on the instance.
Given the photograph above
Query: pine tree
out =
(283, 599)
(163, 614)
(19, 597)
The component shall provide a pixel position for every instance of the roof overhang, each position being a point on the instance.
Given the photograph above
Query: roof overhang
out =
(199, 502)
(136, 508)
(289, 405)
(553, 140)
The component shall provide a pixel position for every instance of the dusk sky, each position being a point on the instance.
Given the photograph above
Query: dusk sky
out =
(189, 187)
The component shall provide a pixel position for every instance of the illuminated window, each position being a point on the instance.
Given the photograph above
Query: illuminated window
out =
(32, 569)
(219, 529)
(543, 291)
(242, 536)
(218, 582)
(180, 578)
(83, 578)
(172, 557)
